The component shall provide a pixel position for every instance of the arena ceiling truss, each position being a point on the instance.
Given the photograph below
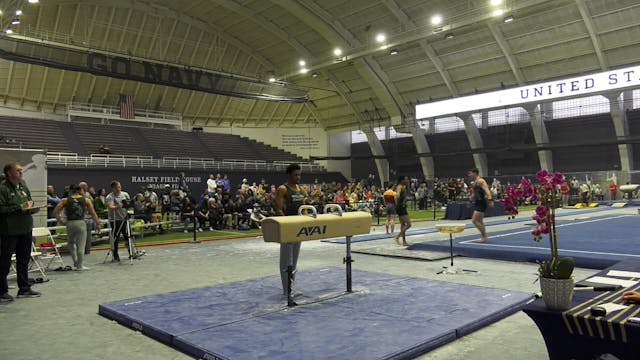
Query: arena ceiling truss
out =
(473, 49)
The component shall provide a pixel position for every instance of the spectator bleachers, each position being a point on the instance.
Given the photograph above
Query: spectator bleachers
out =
(118, 138)
(175, 143)
(136, 141)
(225, 146)
(32, 134)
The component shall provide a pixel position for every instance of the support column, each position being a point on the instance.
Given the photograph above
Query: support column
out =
(426, 163)
(485, 119)
(540, 134)
(378, 151)
(475, 141)
(618, 108)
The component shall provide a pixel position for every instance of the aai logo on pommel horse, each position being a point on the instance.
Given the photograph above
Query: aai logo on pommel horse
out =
(311, 230)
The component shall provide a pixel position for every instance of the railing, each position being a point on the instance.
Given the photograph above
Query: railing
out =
(113, 113)
(139, 161)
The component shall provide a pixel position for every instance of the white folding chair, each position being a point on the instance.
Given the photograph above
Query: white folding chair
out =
(46, 244)
(34, 264)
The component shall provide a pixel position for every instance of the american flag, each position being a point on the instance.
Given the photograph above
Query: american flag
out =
(127, 110)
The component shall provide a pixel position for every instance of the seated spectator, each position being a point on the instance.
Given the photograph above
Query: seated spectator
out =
(140, 209)
(244, 205)
(203, 214)
(176, 202)
(230, 216)
(187, 213)
(216, 214)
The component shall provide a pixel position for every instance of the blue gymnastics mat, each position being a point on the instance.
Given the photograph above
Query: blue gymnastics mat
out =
(412, 232)
(594, 243)
(385, 317)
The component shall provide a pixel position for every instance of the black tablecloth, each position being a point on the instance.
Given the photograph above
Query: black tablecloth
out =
(461, 211)
(575, 334)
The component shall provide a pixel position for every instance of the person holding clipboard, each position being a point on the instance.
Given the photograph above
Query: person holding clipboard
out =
(16, 224)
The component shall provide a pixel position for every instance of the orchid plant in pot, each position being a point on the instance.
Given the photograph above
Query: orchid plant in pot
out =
(556, 282)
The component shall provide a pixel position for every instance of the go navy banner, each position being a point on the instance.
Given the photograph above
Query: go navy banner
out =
(37, 52)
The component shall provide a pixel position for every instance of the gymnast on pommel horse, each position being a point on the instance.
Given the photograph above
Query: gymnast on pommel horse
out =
(289, 198)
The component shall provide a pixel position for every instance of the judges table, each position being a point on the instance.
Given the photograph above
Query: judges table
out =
(576, 334)
(462, 211)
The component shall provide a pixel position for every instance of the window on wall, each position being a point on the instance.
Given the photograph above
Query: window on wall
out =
(448, 124)
(359, 136)
(590, 105)
(636, 99)
(507, 116)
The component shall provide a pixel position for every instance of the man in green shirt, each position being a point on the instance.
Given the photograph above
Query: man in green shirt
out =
(16, 223)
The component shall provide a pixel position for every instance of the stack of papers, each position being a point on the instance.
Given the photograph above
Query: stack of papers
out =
(611, 281)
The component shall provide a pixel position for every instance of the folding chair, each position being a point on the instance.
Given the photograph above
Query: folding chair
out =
(45, 243)
(34, 264)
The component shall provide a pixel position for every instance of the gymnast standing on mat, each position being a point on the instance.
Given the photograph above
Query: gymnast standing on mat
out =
(289, 198)
(480, 200)
(402, 192)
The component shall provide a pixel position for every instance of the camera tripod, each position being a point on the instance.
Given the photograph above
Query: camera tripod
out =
(133, 252)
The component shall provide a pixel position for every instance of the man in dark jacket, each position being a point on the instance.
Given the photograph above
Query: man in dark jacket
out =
(16, 223)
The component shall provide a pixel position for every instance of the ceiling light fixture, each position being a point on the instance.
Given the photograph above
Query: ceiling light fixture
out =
(436, 19)
(496, 2)
(381, 38)
(272, 79)
(9, 31)
(438, 30)
(508, 19)
(315, 74)
(304, 70)
(302, 63)
(33, 1)
(498, 12)
(449, 36)
(384, 47)
(15, 21)
(337, 51)
(18, 12)
(393, 52)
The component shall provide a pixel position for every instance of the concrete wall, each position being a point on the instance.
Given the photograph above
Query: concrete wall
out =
(339, 144)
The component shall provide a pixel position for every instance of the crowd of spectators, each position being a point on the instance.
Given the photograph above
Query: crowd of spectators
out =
(217, 204)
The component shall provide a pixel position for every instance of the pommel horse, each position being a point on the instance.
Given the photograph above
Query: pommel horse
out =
(288, 229)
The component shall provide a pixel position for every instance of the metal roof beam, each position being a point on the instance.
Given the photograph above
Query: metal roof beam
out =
(506, 50)
(588, 22)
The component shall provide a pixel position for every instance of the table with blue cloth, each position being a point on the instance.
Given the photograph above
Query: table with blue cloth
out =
(576, 334)
(462, 211)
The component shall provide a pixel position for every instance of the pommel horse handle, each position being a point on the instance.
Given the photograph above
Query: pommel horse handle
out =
(333, 206)
(314, 212)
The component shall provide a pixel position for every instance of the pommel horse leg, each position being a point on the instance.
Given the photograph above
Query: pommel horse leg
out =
(347, 260)
(290, 301)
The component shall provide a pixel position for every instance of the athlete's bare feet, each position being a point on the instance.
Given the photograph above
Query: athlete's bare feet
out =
(482, 240)
(397, 239)
(405, 244)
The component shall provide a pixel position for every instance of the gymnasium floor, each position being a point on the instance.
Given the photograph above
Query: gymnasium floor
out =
(64, 323)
